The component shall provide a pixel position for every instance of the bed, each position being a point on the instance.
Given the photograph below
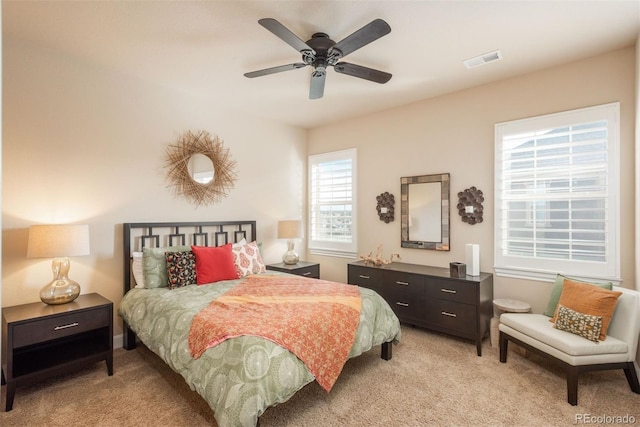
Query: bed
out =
(240, 374)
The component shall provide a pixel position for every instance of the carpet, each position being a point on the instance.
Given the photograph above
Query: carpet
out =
(432, 380)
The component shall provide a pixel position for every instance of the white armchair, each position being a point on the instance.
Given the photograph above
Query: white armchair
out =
(536, 333)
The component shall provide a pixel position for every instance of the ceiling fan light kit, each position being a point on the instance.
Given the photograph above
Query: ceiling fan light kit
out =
(320, 52)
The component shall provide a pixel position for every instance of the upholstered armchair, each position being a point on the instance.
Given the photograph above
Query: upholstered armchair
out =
(535, 332)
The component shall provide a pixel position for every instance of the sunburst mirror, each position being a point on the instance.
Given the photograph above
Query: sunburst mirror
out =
(200, 168)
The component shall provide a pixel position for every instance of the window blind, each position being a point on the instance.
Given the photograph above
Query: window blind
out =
(331, 203)
(556, 194)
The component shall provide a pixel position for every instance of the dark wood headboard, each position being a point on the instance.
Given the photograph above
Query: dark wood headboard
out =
(138, 235)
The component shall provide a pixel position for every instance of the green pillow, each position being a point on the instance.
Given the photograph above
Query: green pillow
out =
(557, 291)
(154, 265)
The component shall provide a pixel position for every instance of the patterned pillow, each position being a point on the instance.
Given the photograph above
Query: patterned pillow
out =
(584, 325)
(181, 269)
(154, 265)
(248, 260)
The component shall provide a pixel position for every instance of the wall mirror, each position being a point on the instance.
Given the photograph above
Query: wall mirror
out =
(200, 168)
(424, 212)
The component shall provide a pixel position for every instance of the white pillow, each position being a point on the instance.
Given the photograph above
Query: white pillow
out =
(240, 243)
(136, 267)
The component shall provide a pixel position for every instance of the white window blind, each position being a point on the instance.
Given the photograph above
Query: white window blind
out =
(557, 186)
(332, 208)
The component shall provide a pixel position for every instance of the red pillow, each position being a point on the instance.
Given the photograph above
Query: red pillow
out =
(214, 264)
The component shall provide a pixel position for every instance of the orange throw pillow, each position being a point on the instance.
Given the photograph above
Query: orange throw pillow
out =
(589, 299)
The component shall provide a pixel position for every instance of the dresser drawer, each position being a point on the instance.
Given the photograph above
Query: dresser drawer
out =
(452, 290)
(38, 331)
(367, 277)
(405, 294)
(452, 315)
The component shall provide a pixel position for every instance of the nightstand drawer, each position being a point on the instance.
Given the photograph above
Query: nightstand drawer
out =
(312, 271)
(302, 268)
(51, 328)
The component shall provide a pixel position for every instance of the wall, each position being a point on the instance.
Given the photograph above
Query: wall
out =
(454, 133)
(637, 169)
(82, 144)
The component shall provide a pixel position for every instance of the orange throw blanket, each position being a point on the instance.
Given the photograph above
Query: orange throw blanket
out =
(314, 319)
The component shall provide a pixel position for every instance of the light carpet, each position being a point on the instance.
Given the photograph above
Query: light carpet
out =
(433, 380)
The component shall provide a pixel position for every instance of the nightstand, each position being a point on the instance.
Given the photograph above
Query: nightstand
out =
(40, 340)
(302, 268)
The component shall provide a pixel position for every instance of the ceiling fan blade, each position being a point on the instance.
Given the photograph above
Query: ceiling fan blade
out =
(316, 90)
(365, 35)
(362, 72)
(274, 70)
(285, 34)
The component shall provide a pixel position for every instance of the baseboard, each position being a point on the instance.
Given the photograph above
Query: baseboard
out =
(117, 341)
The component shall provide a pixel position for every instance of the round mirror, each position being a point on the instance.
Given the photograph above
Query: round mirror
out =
(201, 168)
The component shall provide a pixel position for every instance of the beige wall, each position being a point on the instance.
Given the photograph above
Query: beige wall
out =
(82, 144)
(637, 169)
(455, 134)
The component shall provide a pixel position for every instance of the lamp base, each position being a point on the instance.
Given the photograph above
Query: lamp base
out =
(60, 291)
(290, 257)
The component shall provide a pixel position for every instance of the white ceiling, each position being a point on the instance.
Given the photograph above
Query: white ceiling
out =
(205, 47)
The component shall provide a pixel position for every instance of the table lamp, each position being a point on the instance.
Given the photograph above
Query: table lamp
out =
(58, 242)
(290, 230)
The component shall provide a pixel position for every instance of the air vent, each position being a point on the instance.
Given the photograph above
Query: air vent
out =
(483, 59)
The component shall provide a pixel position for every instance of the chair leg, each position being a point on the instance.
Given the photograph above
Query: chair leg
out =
(572, 384)
(504, 344)
(632, 377)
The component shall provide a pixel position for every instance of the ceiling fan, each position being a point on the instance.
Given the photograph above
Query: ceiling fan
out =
(321, 52)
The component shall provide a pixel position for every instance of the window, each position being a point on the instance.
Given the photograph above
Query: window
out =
(556, 202)
(332, 207)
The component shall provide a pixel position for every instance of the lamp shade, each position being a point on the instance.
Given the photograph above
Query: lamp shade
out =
(59, 240)
(289, 229)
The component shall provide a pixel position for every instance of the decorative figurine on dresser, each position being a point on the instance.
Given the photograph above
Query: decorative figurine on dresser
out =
(431, 297)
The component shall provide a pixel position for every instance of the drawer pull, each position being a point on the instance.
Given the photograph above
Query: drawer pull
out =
(446, 313)
(308, 273)
(362, 276)
(449, 291)
(403, 304)
(70, 325)
(402, 283)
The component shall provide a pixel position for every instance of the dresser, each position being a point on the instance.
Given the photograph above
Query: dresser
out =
(430, 298)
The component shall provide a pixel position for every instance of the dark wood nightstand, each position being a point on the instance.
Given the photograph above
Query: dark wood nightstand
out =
(302, 268)
(40, 340)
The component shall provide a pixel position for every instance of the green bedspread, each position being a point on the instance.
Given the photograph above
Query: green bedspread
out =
(240, 377)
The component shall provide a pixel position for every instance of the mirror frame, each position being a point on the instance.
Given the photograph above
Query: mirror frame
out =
(178, 174)
(405, 182)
